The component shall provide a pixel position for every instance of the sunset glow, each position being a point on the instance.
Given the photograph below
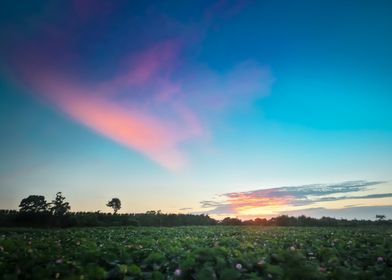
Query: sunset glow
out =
(228, 108)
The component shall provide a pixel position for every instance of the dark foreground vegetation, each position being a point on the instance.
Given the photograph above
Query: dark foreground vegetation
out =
(13, 218)
(197, 253)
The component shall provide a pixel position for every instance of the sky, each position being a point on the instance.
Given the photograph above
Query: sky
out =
(230, 108)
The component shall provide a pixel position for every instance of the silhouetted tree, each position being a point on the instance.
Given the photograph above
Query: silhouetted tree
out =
(380, 217)
(59, 206)
(33, 204)
(115, 203)
(231, 221)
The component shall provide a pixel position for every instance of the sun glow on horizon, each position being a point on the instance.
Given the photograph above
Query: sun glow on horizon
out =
(226, 108)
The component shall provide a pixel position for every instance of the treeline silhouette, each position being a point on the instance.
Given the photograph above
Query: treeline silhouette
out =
(35, 211)
(14, 218)
(304, 221)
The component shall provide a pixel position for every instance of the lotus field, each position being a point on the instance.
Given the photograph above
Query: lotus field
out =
(214, 252)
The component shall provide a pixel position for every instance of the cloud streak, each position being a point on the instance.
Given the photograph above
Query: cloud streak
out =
(153, 101)
(295, 196)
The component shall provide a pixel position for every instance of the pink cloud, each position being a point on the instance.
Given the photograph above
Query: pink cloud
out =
(151, 100)
(156, 137)
(143, 66)
(141, 107)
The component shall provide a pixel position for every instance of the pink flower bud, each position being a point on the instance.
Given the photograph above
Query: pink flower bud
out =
(177, 272)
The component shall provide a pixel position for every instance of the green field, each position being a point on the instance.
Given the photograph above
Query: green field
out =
(197, 253)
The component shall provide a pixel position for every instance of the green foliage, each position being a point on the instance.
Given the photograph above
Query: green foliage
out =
(197, 253)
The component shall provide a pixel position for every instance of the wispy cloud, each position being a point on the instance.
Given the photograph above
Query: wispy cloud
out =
(370, 196)
(294, 196)
(210, 204)
(185, 208)
(154, 101)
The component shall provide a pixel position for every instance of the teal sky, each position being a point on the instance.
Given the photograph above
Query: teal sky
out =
(169, 104)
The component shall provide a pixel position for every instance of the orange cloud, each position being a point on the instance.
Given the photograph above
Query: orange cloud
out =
(246, 202)
(158, 138)
(267, 202)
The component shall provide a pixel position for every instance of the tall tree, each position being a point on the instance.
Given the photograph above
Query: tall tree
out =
(115, 203)
(33, 204)
(59, 206)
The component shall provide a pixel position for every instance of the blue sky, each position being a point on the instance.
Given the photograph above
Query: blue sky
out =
(168, 104)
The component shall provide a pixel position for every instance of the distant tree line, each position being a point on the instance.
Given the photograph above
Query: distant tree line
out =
(90, 219)
(35, 211)
(14, 218)
(303, 221)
